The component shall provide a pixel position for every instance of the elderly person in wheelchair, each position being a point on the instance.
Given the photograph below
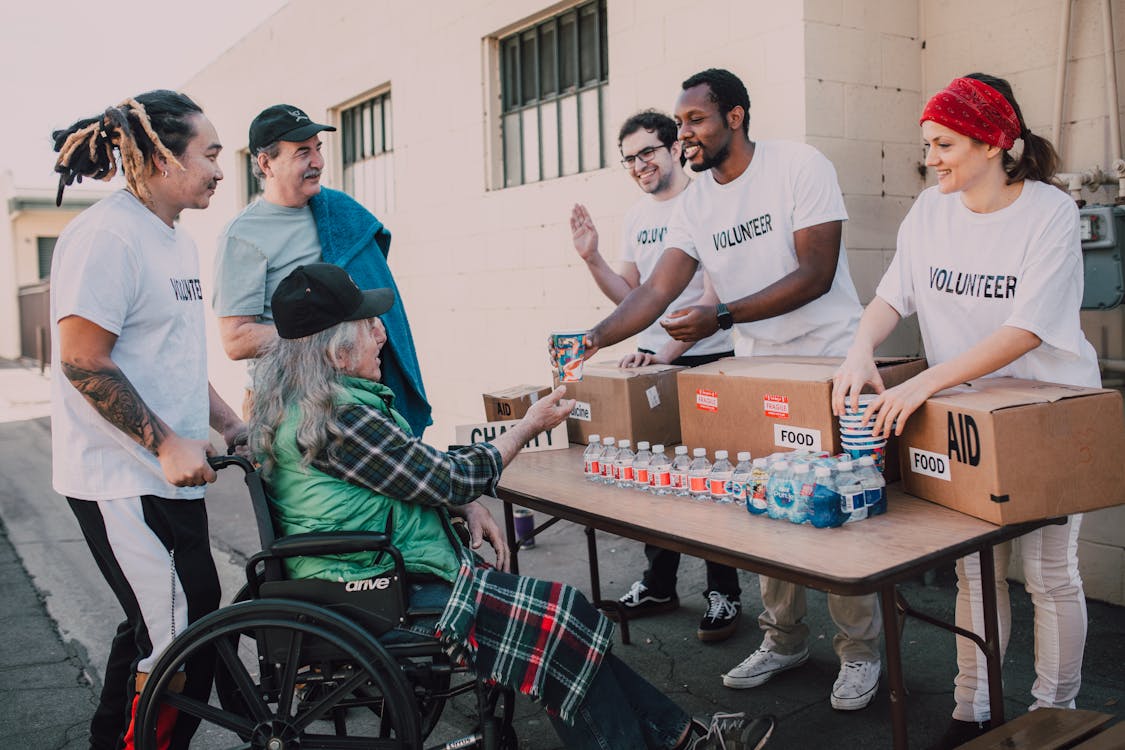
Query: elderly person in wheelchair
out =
(337, 456)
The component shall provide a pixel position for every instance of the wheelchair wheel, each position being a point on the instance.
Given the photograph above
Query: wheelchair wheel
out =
(268, 651)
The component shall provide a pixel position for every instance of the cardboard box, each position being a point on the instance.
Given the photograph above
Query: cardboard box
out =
(512, 403)
(637, 403)
(548, 440)
(1007, 450)
(770, 404)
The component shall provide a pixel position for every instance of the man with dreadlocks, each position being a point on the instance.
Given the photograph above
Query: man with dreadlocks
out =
(296, 221)
(131, 400)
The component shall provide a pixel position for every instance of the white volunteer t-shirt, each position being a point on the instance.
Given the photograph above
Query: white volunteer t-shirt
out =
(121, 267)
(967, 274)
(644, 229)
(742, 234)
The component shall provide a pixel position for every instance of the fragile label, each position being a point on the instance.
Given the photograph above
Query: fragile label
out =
(931, 464)
(776, 407)
(653, 397)
(798, 438)
(706, 400)
(581, 411)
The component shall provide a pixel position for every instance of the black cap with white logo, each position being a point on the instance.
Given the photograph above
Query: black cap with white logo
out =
(282, 122)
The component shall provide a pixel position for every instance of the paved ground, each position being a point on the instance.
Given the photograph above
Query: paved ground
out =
(57, 617)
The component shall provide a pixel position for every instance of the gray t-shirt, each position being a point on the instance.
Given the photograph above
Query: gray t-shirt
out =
(258, 249)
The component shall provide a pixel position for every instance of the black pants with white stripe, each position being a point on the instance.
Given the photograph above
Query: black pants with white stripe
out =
(156, 556)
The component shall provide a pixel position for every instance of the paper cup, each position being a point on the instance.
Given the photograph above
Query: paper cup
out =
(569, 349)
(878, 453)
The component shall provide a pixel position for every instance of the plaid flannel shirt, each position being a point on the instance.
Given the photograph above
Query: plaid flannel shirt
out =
(377, 454)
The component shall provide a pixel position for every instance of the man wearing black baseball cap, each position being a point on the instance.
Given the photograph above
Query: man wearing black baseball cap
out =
(297, 222)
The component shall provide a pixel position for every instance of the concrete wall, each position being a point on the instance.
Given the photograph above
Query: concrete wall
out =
(486, 274)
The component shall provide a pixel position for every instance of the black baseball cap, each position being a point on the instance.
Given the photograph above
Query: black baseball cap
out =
(282, 122)
(317, 296)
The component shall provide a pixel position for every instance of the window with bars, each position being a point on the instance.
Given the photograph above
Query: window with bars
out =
(252, 183)
(552, 79)
(367, 138)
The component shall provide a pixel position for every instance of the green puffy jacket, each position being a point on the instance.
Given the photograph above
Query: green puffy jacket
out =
(305, 499)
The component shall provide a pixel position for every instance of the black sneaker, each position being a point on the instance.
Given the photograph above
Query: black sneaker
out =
(735, 732)
(721, 618)
(639, 601)
(959, 732)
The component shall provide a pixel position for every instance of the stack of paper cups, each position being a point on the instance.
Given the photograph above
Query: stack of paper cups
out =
(857, 440)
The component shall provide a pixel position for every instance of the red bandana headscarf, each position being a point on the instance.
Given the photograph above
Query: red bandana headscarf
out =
(975, 109)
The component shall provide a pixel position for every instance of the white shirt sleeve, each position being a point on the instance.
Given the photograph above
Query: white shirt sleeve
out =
(897, 285)
(96, 280)
(679, 229)
(628, 252)
(816, 193)
(1051, 280)
(240, 278)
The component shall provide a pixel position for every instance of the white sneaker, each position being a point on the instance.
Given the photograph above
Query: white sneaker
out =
(762, 665)
(856, 685)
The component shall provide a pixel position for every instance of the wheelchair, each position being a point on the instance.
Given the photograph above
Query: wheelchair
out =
(299, 663)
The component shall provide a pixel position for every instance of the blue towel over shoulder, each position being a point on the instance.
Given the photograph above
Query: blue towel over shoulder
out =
(352, 238)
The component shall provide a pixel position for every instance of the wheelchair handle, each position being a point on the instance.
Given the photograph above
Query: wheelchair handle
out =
(221, 462)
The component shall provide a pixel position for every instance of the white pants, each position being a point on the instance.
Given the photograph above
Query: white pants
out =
(1050, 568)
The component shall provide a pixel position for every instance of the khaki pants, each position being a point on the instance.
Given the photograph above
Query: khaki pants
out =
(857, 617)
(1050, 568)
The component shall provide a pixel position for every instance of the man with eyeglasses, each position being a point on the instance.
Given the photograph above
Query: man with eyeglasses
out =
(651, 155)
(765, 219)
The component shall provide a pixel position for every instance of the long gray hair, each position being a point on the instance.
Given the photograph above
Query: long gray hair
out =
(301, 373)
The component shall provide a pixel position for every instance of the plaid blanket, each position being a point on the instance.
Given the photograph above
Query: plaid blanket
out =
(541, 638)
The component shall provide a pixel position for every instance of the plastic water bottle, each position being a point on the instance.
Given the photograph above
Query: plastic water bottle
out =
(623, 464)
(698, 473)
(719, 477)
(739, 482)
(609, 451)
(779, 491)
(641, 464)
(660, 471)
(874, 486)
(804, 485)
(853, 498)
(679, 472)
(825, 501)
(592, 458)
(756, 486)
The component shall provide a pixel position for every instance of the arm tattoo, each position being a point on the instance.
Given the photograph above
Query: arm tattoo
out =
(115, 398)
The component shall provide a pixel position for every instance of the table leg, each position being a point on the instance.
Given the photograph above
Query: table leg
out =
(893, 643)
(992, 637)
(510, 532)
(596, 587)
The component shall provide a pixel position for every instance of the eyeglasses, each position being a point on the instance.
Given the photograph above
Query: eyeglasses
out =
(645, 155)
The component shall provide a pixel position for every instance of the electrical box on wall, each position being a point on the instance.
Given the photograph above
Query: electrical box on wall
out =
(1103, 238)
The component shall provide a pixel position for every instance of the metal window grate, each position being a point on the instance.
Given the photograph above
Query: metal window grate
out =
(367, 145)
(551, 77)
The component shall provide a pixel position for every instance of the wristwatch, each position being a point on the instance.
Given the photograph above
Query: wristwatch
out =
(726, 320)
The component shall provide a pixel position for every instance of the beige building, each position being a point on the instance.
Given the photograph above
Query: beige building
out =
(30, 223)
(471, 128)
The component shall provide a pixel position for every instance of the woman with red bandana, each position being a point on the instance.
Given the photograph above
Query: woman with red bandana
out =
(990, 260)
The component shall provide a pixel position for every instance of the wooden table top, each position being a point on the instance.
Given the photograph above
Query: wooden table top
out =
(912, 536)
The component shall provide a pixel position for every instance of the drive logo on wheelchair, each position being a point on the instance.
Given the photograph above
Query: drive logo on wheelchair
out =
(369, 584)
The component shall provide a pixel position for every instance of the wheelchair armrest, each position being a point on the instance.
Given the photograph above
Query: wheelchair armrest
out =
(318, 544)
(330, 543)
